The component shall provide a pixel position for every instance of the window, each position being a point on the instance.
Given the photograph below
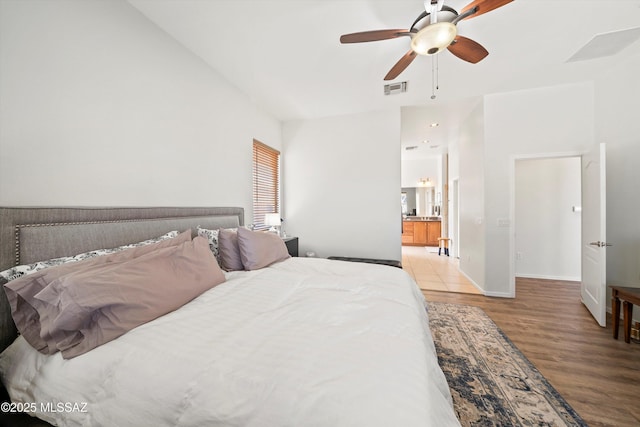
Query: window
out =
(403, 203)
(266, 183)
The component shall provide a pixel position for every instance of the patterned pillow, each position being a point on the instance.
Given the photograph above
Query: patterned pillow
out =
(24, 270)
(213, 237)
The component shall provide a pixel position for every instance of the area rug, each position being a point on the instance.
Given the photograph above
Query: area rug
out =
(492, 383)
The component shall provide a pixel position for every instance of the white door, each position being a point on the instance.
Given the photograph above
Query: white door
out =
(594, 233)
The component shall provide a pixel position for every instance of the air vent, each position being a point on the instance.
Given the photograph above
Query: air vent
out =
(411, 147)
(606, 44)
(393, 88)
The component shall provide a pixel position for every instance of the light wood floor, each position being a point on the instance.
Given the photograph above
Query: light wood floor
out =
(597, 375)
(433, 272)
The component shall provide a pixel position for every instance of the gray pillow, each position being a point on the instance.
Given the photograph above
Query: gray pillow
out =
(259, 249)
(229, 251)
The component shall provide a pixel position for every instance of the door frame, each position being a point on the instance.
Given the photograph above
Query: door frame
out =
(512, 206)
(455, 218)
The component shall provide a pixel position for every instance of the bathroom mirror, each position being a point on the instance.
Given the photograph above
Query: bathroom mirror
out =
(419, 201)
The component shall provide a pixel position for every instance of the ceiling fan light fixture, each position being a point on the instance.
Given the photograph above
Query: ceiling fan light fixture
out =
(434, 38)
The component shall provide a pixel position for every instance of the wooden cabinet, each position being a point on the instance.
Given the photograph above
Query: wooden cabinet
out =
(407, 232)
(434, 231)
(420, 233)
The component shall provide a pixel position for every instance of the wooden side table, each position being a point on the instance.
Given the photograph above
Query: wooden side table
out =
(629, 296)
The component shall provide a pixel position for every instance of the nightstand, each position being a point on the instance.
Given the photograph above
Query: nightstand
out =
(292, 245)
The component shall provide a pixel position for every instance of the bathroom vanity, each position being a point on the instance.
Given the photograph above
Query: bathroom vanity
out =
(421, 231)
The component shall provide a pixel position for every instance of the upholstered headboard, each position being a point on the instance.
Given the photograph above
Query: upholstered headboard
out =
(28, 235)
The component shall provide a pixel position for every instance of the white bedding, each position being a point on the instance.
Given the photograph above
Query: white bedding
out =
(305, 342)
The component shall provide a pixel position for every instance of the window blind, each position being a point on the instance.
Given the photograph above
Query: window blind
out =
(266, 188)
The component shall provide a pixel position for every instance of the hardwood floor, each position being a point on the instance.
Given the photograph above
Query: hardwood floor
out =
(597, 375)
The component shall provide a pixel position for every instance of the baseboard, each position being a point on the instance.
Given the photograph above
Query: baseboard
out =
(546, 277)
(473, 282)
(498, 294)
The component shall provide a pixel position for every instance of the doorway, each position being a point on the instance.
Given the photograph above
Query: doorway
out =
(547, 216)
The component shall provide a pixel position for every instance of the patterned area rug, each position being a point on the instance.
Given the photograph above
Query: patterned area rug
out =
(491, 382)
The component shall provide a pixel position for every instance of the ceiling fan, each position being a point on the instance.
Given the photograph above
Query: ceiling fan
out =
(431, 36)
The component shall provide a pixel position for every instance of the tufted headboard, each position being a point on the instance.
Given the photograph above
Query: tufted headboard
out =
(35, 234)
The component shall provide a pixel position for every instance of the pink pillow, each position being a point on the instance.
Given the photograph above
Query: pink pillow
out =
(259, 249)
(21, 292)
(91, 306)
(229, 251)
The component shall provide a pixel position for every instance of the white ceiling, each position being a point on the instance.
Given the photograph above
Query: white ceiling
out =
(286, 54)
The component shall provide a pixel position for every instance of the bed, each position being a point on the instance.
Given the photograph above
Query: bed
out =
(297, 342)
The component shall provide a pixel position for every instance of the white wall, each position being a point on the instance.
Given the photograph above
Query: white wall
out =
(101, 107)
(547, 229)
(342, 185)
(413, 170)
(617, 107)
(553, 121)
(471, 187)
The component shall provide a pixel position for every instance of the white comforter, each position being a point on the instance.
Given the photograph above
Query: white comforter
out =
(305, 342)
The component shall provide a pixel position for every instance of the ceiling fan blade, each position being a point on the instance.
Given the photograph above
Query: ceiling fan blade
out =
(483, 6)
(468, 50)
(401, 65)
(372, 36)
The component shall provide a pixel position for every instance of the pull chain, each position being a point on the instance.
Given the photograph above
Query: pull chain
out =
(433, 77)
(435, 84)
(437, 73)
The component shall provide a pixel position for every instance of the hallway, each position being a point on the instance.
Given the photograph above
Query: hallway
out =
(433, 272)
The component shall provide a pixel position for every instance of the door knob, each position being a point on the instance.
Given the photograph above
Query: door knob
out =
(600, 244)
